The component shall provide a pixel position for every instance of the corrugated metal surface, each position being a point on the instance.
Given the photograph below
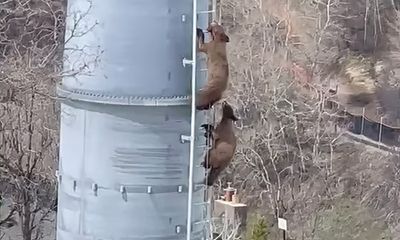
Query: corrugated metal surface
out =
(123, 168)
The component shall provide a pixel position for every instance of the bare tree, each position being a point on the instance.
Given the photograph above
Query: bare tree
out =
(283, 57)
(31, 46)
(285, 131)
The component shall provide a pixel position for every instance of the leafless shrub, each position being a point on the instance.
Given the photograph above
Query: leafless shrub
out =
(222, 229)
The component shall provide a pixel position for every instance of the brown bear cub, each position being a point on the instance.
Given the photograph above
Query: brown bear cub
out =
(217, 64)
(224, 144)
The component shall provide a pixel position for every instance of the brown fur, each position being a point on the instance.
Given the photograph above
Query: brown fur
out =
(217, 64)
(224, 145)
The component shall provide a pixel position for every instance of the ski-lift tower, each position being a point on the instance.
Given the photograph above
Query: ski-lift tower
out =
(130, 141)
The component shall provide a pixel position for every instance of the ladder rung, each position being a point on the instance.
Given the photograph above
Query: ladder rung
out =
(201, 185)
(202, 203)
(204, 12)
(202, 147)
(201, 222)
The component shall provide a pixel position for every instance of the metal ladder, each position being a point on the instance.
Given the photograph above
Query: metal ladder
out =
(191, 138)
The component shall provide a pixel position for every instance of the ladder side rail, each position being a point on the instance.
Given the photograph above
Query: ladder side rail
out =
(192, 123)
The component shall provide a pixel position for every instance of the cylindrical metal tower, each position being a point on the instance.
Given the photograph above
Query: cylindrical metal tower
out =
(129, 145)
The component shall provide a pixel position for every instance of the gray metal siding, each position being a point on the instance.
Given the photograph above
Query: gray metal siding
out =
(143, 44)
(123, 169)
